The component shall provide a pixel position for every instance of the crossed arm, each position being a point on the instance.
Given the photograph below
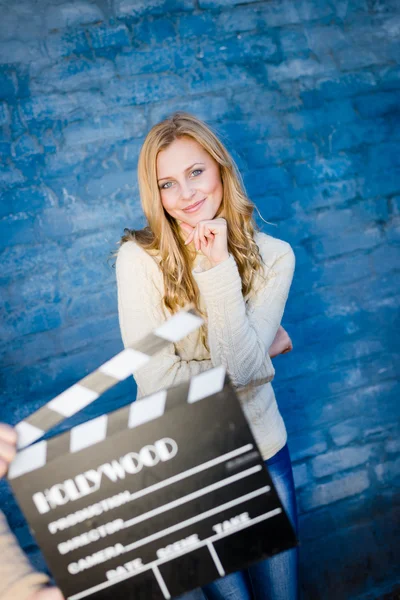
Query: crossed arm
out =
(241, 339)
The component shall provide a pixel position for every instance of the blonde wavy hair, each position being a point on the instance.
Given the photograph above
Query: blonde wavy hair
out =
(162, 237)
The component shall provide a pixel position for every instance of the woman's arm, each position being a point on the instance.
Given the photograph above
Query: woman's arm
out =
(18, 580)
(239, 338)
(139, 282)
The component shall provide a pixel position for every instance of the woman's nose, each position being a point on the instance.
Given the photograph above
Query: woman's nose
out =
(187, 191)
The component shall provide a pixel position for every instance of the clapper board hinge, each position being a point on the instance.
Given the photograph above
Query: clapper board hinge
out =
(35, 454)
(118, 368)
(137, 413)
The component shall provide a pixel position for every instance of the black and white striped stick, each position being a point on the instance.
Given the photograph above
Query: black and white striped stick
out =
(105, 377)
(128, 417)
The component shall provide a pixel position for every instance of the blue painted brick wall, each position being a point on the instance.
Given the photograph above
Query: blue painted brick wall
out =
(306, 94)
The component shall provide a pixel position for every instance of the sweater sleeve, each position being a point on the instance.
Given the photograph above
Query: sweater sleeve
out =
(140, 311)
(18, 580)
(240, 335)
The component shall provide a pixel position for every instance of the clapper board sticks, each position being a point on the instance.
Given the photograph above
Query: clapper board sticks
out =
(105, 377)
(154, 499)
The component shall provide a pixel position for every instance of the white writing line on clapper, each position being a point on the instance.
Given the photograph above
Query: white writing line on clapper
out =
(193, 495)
(161, 582)
(200, 517)
(217, 536)
(192, 471)
(215, 558)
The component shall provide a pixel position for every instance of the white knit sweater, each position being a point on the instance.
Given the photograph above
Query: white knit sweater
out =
(239, 333)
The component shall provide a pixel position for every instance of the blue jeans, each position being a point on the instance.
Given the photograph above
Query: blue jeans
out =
(275, 578)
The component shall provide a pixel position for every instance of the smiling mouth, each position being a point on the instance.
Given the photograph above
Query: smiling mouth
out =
(194, 207)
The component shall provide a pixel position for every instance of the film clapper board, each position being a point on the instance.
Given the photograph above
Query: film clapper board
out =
(152, 500)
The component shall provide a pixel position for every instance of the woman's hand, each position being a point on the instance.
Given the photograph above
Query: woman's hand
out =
(8, 447)
(48, 593)
(211, 237)
(281, 344)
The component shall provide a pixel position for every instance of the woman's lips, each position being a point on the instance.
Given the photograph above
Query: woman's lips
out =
(194, 207)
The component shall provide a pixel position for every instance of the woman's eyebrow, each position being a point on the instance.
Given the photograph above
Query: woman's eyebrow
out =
(187, 169)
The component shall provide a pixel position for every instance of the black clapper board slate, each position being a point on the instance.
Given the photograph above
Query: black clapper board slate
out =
(160, 507)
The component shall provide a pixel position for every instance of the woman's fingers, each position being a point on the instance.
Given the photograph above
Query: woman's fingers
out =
(50, 593)
(8, 434)
(7, 451)
(8, 442)
(189, 230)
(281, 344)
(202, 234)
(289, 347)
(196, 238)
(189, 237)
(3, 468)
(205, 233)
(286, 341)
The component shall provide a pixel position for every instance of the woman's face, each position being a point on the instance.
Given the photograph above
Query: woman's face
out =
(189, 181)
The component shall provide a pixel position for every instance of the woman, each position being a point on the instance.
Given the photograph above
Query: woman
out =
(18, 581)
(200, 246)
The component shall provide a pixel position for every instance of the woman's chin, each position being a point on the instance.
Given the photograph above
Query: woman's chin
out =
(193, 219)
(202, 216)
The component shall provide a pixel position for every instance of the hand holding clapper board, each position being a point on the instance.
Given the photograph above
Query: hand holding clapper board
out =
(154, 499)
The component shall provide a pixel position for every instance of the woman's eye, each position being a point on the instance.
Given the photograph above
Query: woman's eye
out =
(168, 184)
